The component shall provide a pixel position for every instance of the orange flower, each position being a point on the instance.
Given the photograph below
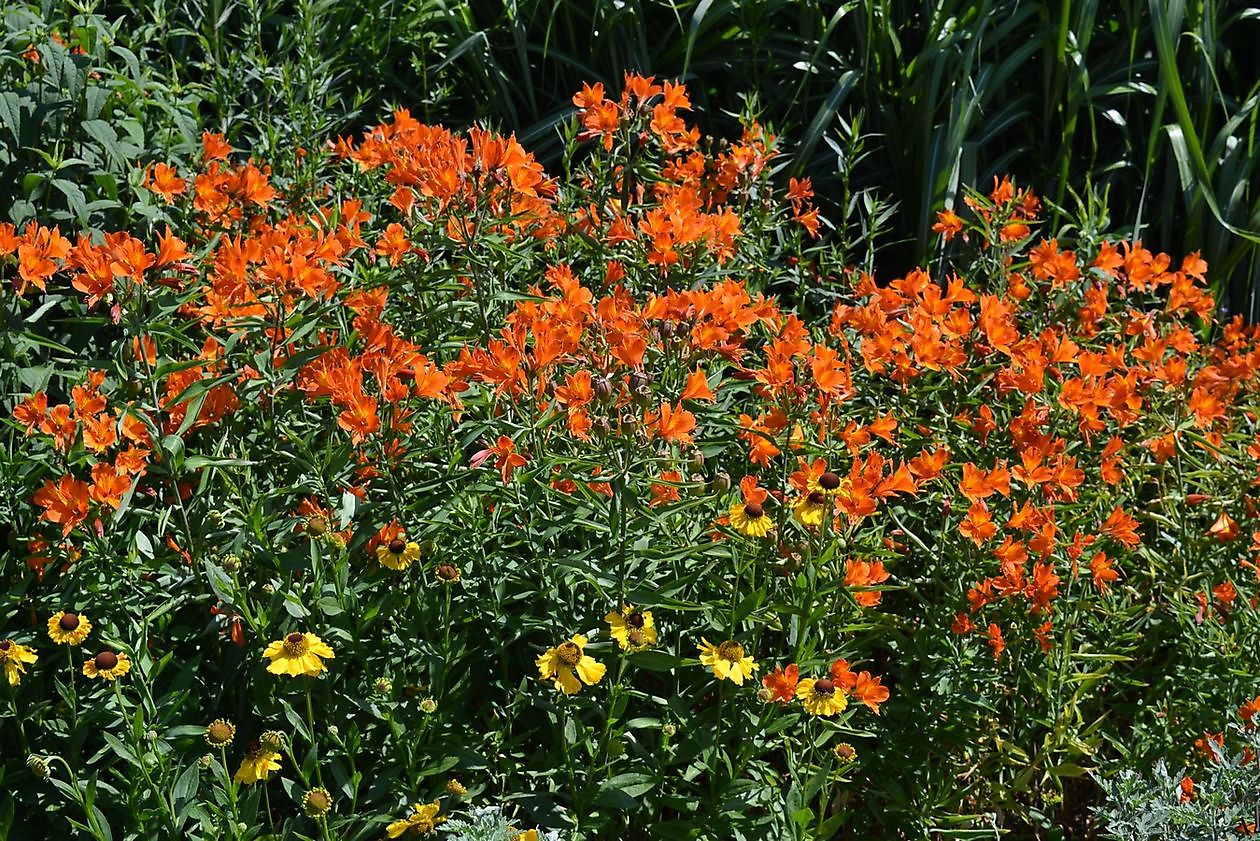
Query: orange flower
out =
(948, 224)
(665, 490)
(781, 683)
(674, 425)
(865, 574)
(962, 624)
(506, 457)
(1103, 572)
(996, 642)
(698, 387)
(1121, 527)
(869, 691)
(1224, 529)
(164, 181)
(65, 502)
(978, 525)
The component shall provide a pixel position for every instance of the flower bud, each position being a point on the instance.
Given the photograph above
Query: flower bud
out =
(273, 740)
(428, 706)
(316, 803)
(38, 766)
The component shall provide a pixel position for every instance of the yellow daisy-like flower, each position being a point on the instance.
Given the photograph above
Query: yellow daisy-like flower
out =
(566, 663)
(257, 764)
(811, 510)
(828, 483)
(527, 835)
(728, 661)
(398, 554)
(750, 519)
(297, 654)
(423, 820)
(68, 628)
(108, 665)
(15, 657)
(821, 697)
(633, 629)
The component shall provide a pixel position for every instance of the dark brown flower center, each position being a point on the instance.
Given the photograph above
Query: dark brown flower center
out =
(754, 511)
(826, 686)
(829, 481)
(816, 498)
(569, 654)
(397, 546)
(447, 572)
(68, 621)
(293, 638)
(254, 749)
(635, 620)
(5, 645)
(106, 660)
(731, 651)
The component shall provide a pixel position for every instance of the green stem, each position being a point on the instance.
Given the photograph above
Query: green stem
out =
(230, 785)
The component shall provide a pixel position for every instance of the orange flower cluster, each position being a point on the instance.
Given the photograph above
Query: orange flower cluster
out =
(87, 421)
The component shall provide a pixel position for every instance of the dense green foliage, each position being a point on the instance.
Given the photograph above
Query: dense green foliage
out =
(239, 379)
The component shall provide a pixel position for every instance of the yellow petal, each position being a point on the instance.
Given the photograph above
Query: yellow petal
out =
(590, 670)
(568, 684)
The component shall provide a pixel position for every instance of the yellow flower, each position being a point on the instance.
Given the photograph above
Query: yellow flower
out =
(828, 483)
(423, 820)
(398, 553)
(811, 510)
(68, 628)
(527, 835)
(633, 629)
(821, 697)
(727, 660)
(257, 764)
(15, 657)
(107, 665)
(297, 654)
(565, 663)
(750, 519)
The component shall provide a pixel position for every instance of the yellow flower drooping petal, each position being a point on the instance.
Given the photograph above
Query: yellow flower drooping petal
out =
(568, 666)
(298, 654)
(257, 764)
(423, 820)
(728, 661)
(750, 519)
(398, 554)
(634, 630)
(15, 659)
(821, 697)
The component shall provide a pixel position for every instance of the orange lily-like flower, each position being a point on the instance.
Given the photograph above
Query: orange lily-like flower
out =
(506, 457)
